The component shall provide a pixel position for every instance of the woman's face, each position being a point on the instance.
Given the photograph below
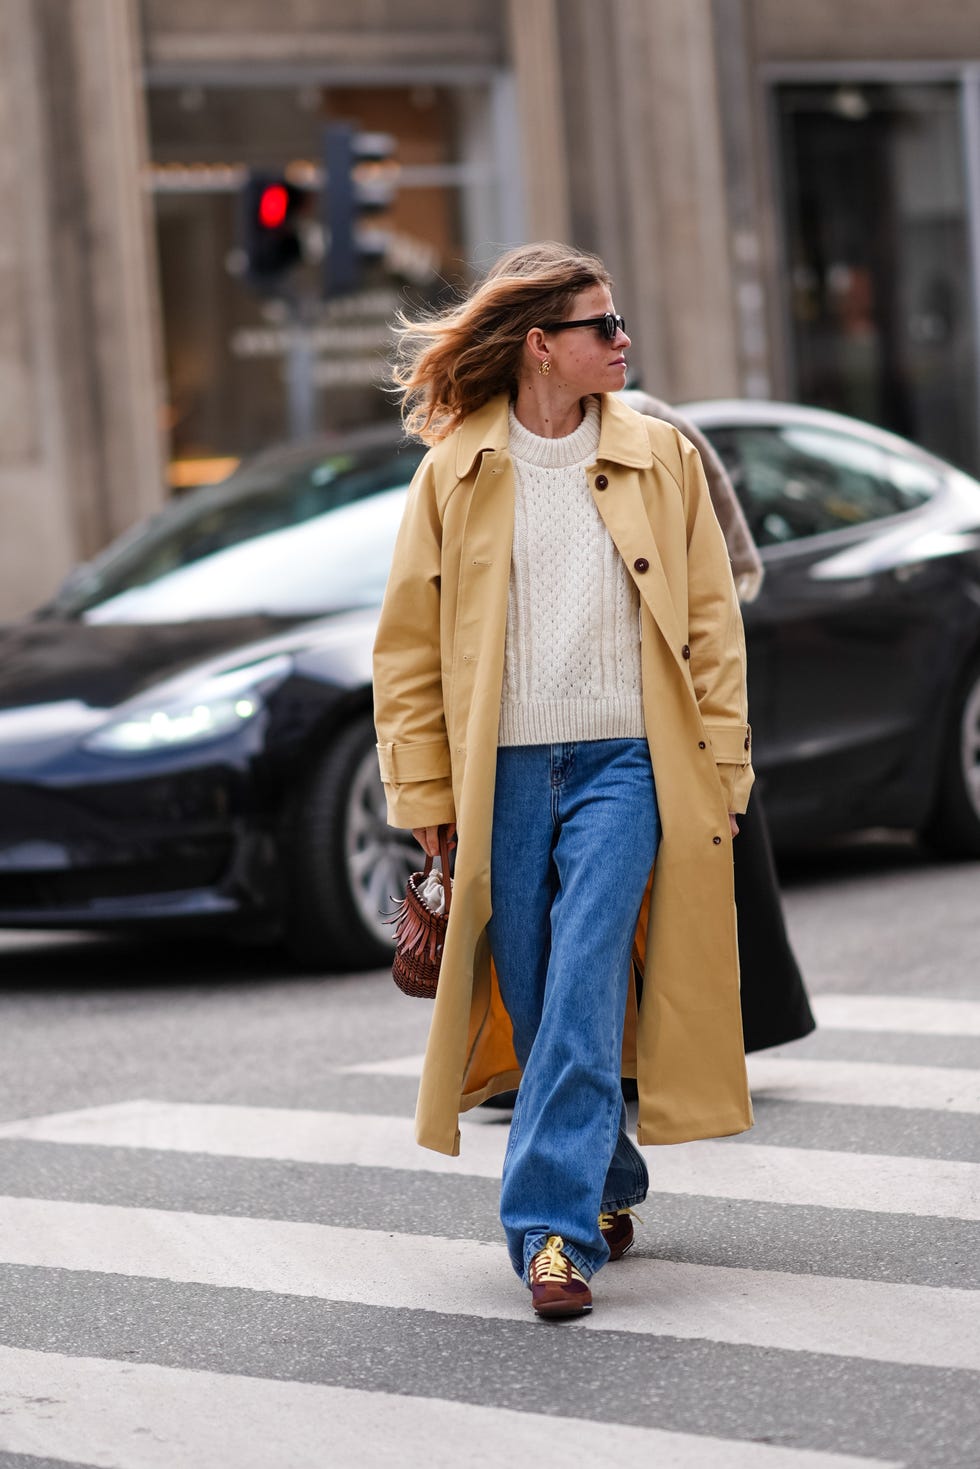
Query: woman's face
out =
(582, 359)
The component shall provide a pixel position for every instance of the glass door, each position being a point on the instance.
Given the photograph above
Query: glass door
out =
(876, 231)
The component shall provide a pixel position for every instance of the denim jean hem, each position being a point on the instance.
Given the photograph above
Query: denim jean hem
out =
(625, 1202)
(535, 1242)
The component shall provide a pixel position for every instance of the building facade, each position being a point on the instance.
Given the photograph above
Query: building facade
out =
(788, 197)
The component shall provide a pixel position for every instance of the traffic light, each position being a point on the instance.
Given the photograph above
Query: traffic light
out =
(270, 228)
(350, 193)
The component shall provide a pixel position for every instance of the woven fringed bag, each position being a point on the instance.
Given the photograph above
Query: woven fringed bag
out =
(419, 930)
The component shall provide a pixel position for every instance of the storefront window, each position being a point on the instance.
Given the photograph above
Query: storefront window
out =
(876, 231)
(244, 370)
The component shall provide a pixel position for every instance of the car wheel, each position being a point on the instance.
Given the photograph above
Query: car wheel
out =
(344, 865)
(955, 824)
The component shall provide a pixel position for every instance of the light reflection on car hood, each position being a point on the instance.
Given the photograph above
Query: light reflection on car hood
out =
(34, 722)
(58, 676)
(947, 526)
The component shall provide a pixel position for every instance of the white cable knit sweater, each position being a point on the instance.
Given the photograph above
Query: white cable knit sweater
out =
(572, 656)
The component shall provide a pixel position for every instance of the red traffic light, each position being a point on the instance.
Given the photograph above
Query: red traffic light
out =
(270, 228)
(273, 206)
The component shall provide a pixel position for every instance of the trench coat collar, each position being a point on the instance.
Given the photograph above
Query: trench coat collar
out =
(623, 439)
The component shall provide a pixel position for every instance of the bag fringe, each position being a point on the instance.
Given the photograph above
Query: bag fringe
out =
(415, 928)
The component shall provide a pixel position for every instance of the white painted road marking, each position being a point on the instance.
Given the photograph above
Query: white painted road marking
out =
(802, 1079)
(817, 1177)
(126, 1415)
(901, 1014)
(865, 1084)
(907, 1013)
(924, 1326)
(410, 1066)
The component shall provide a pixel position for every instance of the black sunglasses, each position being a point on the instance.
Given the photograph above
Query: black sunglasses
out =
(608, 326)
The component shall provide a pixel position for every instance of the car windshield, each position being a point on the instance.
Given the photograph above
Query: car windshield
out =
(284, 540)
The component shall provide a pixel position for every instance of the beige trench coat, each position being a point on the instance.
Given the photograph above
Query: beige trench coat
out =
(438, 673)
(743, 553)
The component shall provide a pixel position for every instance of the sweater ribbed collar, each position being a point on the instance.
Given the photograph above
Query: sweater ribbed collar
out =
(624, 436)
(575, 448)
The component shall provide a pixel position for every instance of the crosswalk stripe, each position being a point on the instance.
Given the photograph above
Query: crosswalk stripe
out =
(865, 1084)
(798, 1079)
(770, 1174)
(394, 1066)
(898, 1013)
(763, 1308)
(142, 1416)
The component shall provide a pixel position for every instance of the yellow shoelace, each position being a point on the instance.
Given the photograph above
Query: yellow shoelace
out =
(606, 1221)
(551, 1264)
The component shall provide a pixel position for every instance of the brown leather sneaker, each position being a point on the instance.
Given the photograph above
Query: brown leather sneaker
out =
(557, 1287)
(617, 1231)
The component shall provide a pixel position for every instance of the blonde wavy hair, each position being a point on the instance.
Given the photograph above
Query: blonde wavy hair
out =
(450, 363)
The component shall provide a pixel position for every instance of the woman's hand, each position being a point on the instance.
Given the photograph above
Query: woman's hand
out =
(733, 823)
(428, 837)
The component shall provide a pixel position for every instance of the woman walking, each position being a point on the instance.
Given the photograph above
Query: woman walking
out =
(559, 671)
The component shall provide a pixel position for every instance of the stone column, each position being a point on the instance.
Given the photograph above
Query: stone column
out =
(81, 453)
(753, 227)
(534, 47)
(648, 183)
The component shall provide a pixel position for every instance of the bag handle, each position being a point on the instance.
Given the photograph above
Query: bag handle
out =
(447, 885)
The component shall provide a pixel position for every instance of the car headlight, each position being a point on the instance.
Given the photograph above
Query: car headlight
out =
(217, 707)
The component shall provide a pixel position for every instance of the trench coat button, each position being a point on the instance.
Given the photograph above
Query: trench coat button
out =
(641, 564)
(685, 651)
(702, 745)
(601, 483)
(717, 841)
(747, 742)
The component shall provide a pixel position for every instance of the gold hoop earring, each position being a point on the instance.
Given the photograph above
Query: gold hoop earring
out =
(544, 367)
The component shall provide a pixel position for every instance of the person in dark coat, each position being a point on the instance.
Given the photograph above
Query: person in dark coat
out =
(775, 1006)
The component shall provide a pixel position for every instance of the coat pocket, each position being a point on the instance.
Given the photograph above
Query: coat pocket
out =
(731, 744)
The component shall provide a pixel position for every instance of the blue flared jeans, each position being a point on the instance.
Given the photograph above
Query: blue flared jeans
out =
(575, 834)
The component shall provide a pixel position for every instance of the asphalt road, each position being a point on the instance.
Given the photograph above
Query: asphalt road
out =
(220, 1247)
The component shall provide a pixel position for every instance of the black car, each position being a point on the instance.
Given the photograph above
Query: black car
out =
(186, 734)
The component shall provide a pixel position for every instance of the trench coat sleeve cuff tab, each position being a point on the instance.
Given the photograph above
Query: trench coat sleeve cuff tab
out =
(427, 760)
(420, 803)
(736, 782)
(731, 744)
